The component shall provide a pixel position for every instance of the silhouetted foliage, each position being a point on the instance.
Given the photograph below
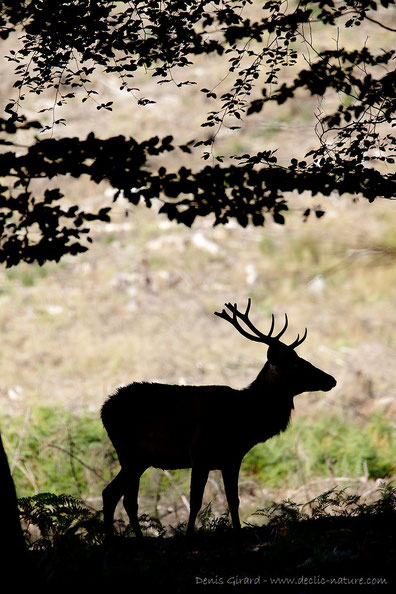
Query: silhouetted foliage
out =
(65, 43)
(342, 541)
(56, 516)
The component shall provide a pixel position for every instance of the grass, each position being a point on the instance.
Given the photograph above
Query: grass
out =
(26, 275)
(324, 448)
(60, 451)
(54, 449)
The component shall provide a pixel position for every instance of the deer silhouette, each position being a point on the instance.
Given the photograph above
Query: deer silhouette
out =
(204, 427)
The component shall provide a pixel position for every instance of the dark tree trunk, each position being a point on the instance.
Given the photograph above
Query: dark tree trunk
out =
(14, 554)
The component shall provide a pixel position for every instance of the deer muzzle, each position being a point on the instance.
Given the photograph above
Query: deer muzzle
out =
(328, 382)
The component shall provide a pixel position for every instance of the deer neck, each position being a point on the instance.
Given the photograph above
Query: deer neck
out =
(273, 395)
(272, 403)
(271, 382)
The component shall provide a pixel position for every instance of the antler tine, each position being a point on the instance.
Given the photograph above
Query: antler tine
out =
(257, 336)
(223, 314)
(283, 329)
(234, 321)
(249, 303)
(245, 318)
(298, 341)
(272, 326)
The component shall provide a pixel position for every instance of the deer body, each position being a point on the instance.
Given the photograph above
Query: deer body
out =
(201, 427)
(188, 423)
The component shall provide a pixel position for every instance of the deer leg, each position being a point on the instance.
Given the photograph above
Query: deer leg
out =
(111, 496)
(131, 499)
(230, 479)
(199, 476)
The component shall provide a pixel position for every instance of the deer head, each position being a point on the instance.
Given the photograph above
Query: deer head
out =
(288, 373)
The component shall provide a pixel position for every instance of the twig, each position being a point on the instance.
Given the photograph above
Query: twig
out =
(71, 456)
(219, 490)
(177, 489)
(380, 24)
(98, 474)
(335, 479)
(302, 473)
(27, 471)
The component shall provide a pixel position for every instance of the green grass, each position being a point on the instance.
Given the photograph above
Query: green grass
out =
(65, 452)
(27, 275)
(324, 447)
(59, 451)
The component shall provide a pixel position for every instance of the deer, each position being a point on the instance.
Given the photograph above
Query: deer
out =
(202, 427)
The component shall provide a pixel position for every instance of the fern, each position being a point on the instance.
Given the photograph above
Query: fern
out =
(332, 502)
(57, 516)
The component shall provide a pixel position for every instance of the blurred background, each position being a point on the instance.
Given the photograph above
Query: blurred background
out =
(138, 306)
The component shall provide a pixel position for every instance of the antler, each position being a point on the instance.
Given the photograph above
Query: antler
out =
(299, 340)
(257, 335)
